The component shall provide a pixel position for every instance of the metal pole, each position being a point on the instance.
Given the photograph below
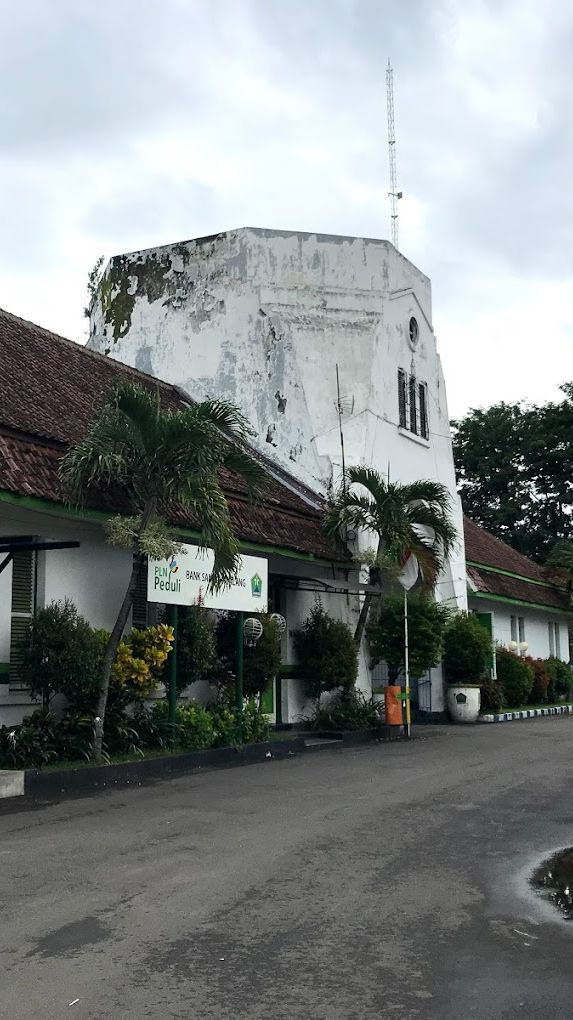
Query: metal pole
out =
(407, 664)
(239, 675)
(172, 671)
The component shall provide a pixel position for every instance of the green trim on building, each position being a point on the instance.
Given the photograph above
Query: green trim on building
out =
(518, 602)
(63, 510)
(4, 668)
(509, 573)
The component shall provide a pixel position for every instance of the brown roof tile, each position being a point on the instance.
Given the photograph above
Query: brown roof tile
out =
(51, 390)
(486, 551)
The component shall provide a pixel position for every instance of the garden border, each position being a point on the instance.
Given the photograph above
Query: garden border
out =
(19, 787)
(525, 713)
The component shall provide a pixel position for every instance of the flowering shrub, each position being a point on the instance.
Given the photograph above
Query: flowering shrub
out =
(540, 687)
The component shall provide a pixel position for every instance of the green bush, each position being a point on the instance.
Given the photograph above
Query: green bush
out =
(327, 653)
(261, 662)
(255, 725)
(467, 649)
(540, 687)
(560, 677)
(515, 676)
(196, 646)
(62, 654)
(491, 695)
(426, 622)
(347, 710)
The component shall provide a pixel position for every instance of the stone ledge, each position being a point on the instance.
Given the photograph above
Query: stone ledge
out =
(11, 783)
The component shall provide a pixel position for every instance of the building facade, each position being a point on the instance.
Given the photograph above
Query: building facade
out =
(325, 342)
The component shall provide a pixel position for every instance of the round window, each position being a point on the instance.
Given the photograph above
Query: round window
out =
(413, 331)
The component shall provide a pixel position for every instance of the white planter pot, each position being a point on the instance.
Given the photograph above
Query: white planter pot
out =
(464, 702)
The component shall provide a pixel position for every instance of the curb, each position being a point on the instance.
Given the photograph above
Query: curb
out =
(19, 788)
(526, 713)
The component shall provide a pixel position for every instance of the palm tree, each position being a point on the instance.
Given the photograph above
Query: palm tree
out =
(405, 520)
(153, 459)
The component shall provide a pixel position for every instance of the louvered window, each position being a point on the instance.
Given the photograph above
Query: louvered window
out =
(23, 608)
(423, 404)
(140, 608)
(413, 409)
(402, 398)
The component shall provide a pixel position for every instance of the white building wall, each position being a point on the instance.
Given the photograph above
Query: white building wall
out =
(535, 621)
(93, 576)
(262, 318)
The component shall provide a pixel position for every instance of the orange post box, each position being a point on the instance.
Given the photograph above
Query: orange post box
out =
(394, 713)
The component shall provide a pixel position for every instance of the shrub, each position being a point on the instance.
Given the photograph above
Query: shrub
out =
(196, 646)
(261, 662)
(426, 622)
(255, 725)
(327, 653)
(491, 695)
(61, 651)
(467, 649)
(195, 727)
(538, 694)
(515, 676)
(225, 725)
(560, 677)
(347, 710)
(140, 660)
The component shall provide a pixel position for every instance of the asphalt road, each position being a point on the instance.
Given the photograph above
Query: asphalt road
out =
(388, 881)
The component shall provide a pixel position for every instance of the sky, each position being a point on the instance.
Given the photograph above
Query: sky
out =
(126, 124)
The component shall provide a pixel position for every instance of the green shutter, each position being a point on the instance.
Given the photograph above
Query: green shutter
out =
(23, 608)
(139, 612)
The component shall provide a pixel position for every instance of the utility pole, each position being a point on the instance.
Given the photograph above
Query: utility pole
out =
(394, 194)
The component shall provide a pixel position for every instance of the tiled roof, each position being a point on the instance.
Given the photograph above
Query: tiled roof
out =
(51, 390)
(484, 551)
(481, 547)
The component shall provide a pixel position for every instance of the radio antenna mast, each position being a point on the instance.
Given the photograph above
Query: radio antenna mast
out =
(393, 194)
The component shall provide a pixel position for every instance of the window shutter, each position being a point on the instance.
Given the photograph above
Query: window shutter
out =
(401, 398)
(139, 612)
(413, 410)
(23, 608)
(423, 397)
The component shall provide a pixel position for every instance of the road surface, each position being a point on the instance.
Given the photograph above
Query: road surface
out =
(386, 881)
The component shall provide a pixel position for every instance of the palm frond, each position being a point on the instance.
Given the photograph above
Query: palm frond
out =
(225, 416)
(252, 473)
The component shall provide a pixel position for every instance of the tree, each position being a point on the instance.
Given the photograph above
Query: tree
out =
(467, 649)
(559, 565)
(514, 464)
(405, 520)
(59, 648)
(327, 653)
(426, 622)
(156, 459)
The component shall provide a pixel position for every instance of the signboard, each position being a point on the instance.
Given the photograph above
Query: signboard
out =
(183, 580)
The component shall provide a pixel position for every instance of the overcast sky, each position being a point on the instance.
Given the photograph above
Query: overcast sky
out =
(130, 123)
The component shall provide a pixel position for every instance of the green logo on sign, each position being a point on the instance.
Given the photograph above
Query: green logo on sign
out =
(256, 586)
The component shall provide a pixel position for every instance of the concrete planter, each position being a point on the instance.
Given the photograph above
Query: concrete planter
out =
(464, 702)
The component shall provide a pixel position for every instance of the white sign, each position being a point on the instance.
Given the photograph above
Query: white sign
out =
(184, 579)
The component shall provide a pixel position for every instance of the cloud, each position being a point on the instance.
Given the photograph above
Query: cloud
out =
(128, 125)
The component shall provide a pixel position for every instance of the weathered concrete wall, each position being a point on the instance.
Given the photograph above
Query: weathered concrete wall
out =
(262, 318)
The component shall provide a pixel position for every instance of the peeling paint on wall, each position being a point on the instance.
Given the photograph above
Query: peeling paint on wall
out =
(262, 317)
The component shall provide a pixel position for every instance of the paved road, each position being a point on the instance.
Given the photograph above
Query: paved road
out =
(380, 882)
